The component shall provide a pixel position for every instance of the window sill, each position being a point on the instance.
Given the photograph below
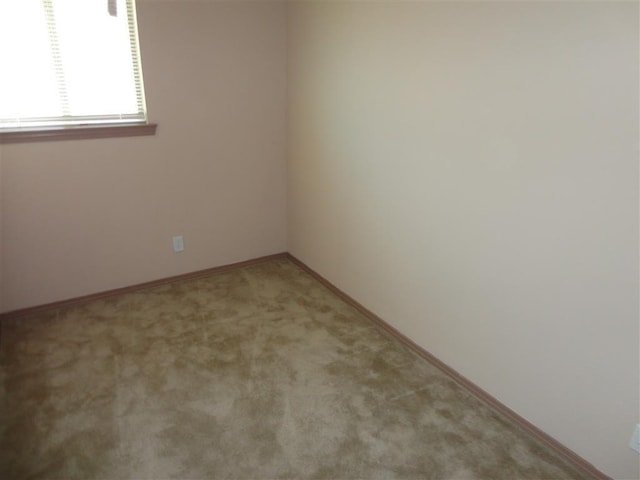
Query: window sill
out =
(76, 133)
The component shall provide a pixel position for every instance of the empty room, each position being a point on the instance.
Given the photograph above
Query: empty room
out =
(319, 239)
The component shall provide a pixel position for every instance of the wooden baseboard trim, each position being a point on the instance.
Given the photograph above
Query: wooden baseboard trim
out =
(566, 453)
(140, 286)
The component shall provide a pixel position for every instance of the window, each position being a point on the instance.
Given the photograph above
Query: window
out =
(69, 63)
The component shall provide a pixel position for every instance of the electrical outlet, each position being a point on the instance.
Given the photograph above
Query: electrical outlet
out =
(635, 440)
(178, 243)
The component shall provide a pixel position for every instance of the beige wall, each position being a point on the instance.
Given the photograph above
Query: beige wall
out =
(86, 216)
(1, 234)
(469, 172)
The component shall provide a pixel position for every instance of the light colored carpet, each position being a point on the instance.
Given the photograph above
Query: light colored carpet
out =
(256, 373)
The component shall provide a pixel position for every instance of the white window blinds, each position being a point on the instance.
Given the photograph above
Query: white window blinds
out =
(69, 62)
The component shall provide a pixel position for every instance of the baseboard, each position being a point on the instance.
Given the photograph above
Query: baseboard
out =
(133, 288)
(566, 453)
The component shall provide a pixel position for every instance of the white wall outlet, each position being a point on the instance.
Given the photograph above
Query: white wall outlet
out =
(178, 243)
(635, 440)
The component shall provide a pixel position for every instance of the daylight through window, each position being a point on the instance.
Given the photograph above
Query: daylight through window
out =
(69, 62)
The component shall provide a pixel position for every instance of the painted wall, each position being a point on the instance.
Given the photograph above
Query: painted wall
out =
(469, 172)
(1, 234)
(87, 216)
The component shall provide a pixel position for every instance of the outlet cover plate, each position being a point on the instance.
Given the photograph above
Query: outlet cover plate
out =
(178, 243)
(635, 440)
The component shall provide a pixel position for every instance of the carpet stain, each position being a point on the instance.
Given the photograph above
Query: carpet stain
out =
(255, 373)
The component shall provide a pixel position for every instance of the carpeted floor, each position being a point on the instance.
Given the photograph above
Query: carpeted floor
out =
(255, 373)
